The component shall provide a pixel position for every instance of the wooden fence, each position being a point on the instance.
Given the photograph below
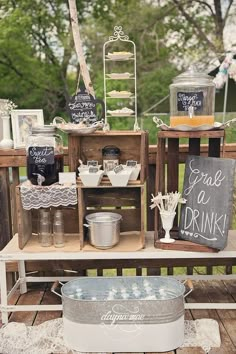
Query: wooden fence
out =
(10, 163)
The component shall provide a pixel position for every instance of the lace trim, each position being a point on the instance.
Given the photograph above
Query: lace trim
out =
(203, 333)
(47, 337)
(35, 197)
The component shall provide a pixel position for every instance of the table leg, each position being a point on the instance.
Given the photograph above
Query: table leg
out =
(3, 287)
(22, 276)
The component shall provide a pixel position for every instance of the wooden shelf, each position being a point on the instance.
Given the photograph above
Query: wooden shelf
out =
(127, 201)
(129, 242)
(132, 145)
(105, 183)
(72, 244)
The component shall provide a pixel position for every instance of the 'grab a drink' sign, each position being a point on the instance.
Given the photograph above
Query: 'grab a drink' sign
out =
(208, 188)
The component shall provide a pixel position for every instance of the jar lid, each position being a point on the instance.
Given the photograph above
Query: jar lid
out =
(43, 129)
(192, 74)
(111, 149)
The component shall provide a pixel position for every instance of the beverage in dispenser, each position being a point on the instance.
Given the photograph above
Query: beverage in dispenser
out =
(192, 99)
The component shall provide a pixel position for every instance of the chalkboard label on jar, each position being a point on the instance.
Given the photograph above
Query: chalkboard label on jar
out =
(41, 155)
(189, 99)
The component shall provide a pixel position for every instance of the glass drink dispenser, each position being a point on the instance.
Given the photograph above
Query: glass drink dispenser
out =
(44, 152)
(192, 99)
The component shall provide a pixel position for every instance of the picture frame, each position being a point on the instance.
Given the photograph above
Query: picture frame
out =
(22, 122)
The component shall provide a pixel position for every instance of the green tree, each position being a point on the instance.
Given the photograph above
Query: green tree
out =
(38, 65)
(201, 26)
(37, 58)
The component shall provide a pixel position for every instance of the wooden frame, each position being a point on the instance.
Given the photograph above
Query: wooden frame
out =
(127, 201)
(167, 180)
(27, 222)
(133, 146)
(22, 122)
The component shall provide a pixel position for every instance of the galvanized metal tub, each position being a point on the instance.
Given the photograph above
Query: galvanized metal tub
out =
(123, 314)
(104, 229)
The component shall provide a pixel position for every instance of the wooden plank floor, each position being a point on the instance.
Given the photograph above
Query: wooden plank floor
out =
(213, 291)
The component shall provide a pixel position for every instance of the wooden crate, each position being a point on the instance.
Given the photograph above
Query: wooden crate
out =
(28, 222)
(133, 146)
(127, 201)
(167, 179)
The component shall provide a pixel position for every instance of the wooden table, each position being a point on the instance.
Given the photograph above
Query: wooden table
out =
(143, 257)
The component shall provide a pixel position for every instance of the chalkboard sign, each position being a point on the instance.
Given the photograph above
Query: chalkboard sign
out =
(41, 155)
(92, 163)
(93, 169)
(189, 99)
(208, 189)
(118, 169)
(131, 163)
(83, 107)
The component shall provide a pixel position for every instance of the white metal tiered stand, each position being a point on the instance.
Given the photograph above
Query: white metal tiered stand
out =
(12, 253)
(120, 36)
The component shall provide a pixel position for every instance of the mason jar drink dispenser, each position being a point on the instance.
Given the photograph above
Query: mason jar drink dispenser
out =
(44, 150)
(192, 99)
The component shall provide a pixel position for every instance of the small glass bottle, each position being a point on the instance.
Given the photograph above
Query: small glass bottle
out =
(58, 229)
(45, 235)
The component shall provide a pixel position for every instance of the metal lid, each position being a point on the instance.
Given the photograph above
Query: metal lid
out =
(44, 129)
(192, 74)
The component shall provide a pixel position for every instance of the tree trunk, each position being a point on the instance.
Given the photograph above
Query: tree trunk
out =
(219, 22)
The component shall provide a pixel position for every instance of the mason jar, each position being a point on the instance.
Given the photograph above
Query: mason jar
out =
(192, 99)
(44, 151)
(111, 157)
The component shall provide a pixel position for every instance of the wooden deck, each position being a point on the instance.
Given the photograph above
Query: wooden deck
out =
(204, 291)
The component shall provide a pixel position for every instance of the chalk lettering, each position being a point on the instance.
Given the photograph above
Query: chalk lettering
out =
(205, 222)
(196, 176)
(189, 99)
(201, 198)
(41, 155)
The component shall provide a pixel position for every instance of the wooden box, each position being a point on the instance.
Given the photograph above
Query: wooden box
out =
(167, 179)
(28, 221)
(128, 201)
(133, 146)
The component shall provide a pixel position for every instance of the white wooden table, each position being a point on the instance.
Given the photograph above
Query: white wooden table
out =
(12, 253)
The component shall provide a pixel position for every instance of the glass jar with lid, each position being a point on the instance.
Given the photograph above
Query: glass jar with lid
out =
(110, 156)
(192, 99)
(44, 151)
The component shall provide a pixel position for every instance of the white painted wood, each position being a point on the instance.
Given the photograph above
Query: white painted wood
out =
(13, 289)
(48, 279)
(12, 252)
(209, 306)
(16, 308)
(3, 287)
(21, 268)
